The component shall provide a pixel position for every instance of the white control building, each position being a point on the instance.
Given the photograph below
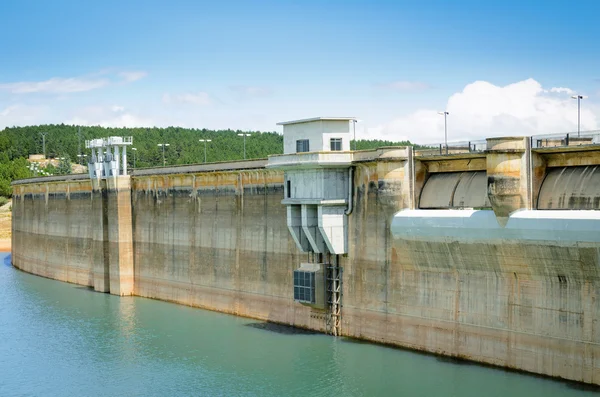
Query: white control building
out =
(318, 192)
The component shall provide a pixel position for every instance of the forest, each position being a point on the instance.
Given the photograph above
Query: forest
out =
(68, 141)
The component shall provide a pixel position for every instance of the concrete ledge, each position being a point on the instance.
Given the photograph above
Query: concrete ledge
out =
(567, 149)
(208, 167)
(44, 179)
(313, 202)
(387, 153)
(450, 156)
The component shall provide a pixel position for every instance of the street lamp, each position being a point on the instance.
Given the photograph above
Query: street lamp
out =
(445, 114)
(43, 134)
(134, 152)
(579, 98)
(354, 121)
(244, 135)
(205, 141)
(163, 150)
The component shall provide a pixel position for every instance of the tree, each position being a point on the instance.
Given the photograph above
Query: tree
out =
(17, 143)
(64, 166)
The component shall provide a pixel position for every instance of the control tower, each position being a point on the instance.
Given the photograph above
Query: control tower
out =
(104, 161)
(318, 174)
(111, 201)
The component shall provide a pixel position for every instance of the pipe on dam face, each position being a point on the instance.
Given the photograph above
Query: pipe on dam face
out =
(447, 190)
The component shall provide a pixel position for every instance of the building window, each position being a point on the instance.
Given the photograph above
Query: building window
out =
(302, 145)
(304, 286)
(336, 144)
(289, 188)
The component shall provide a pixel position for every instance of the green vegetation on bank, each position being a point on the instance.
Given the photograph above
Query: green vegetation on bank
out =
(63, 141)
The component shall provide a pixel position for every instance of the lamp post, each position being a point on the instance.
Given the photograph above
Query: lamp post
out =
(244, 135)
(354, 121)
(134, 152)
(579, 98)
(205, 141)
(163, 150)
(43, 134)
(79, 144)
(445, 114)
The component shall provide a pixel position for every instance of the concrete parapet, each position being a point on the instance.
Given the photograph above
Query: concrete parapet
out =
(196, 168)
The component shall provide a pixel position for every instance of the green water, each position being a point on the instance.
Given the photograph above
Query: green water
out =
(65, 340)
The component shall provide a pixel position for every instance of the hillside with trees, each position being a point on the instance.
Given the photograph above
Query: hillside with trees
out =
(68, 141)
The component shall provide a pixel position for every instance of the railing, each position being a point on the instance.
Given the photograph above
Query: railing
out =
(565, 139)
(441, 149)
(540, 141)
(110, 141)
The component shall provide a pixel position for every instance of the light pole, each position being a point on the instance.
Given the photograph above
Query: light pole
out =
(244, 135)
(43, 134)
(79, 144)
(134, 152)
(354, 121)
(205, 141)
(163, 150)
(445, 114)
(579, 98)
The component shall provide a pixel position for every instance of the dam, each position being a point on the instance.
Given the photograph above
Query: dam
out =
(489, 255)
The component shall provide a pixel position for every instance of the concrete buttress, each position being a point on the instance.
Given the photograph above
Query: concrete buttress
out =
(508, 175)
(120, 236)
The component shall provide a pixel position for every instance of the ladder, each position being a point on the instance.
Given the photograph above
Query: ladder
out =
(334, 296)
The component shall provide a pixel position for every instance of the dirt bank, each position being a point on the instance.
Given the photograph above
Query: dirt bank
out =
(5, 231)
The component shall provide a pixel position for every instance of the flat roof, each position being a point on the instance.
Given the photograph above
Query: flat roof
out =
(316, 119)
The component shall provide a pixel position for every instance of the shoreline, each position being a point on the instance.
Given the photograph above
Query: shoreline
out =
(5, 245)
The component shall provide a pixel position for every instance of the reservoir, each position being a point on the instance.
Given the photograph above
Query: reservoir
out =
(63, 339)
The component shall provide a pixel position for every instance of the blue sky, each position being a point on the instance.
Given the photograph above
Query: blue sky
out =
(499, 67)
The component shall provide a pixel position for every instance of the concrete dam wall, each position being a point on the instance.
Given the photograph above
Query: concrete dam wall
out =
(447, 254)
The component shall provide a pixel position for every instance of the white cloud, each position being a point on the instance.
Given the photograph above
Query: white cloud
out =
(198, 98)
(19, 114)
(127, 120)
(132, 76)
(55, 85)
(405, 86)
(8, 110)
(107, 116)
(562, 90)
(248, 91)
(483, 110)
(60, 85)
